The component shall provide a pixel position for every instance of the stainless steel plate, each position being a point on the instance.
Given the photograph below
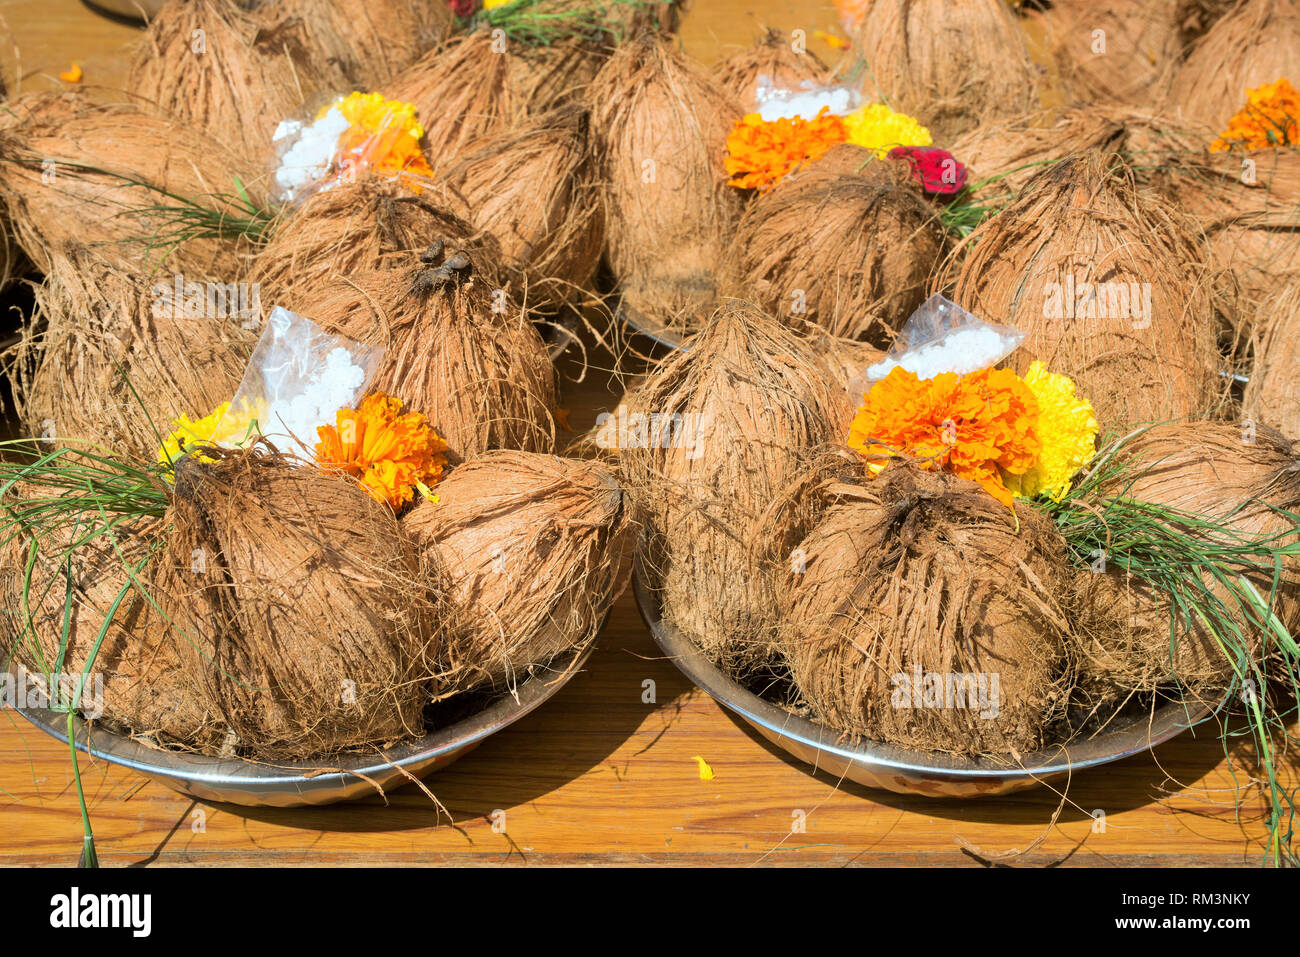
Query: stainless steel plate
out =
(648, 327)
(304, 782)
(134, 9)
(903, 771)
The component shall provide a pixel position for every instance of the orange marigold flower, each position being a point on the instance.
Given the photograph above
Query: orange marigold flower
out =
(1270, 118)
(388, 450)
(761, 153)
(976, 426)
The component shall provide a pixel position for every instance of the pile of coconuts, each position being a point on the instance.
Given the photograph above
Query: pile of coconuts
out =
(251, 604)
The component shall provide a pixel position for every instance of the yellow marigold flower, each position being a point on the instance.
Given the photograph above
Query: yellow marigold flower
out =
(382, 134)
(876, 127)
(1270, 118)
(1067, 428)
(390, 452)
(215, 428)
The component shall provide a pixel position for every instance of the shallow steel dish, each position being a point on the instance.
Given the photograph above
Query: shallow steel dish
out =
(898, 769)
(297, 783)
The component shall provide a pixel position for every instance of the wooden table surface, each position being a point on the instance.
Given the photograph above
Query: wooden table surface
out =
(598, 775)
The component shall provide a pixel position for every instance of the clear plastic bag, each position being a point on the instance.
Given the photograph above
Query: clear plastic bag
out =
(298, 377)
(773, 102)
(348, 136)
(941, 336)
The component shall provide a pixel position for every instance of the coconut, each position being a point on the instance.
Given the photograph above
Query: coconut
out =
(217, 69)
(1124, 51)
(462, 94)
(116, 178)
(850, 252)
(119, 359)
(775, 58)
(371, 223)
(660, 125)
(845, 361)
(455, 350)
(364, 43)
(1273, 393)
(1017, 148)
(536, 549)
(714, 433)
(915, 586)
(1108, 287)
(314, 630)
(146, 692)
(534, 191)
(950, 63)
(1238, 476)
(1257, 42)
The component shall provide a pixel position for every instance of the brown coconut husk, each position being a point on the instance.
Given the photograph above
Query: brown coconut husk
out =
(1257, 42)
(534, 191)
(774, 57)
(462, 94)
(545, 78)
(845, 361)
(1273, 393)
(950, 63)
(1196, 17)
(1236, 475)
(1016, 149)
(918, 573)
(1131, 60)
(752, 400)
(115, 363)
(657, 115)
(537, 550)
(311, 628)
(238, 88)
(146, 692)
(455, 350)
(363, 43)
(861, 247)
(1085, 218)
(113, 167)
(371, 223)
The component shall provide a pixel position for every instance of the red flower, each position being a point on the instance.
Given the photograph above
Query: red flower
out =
(936, 170)
(464, 8)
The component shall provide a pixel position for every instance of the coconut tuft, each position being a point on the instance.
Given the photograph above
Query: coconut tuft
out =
(534, 191)
(537, 550)
(116, 359)
(310, 627)
(363, 43)
(1257, 42)
(659, 124)
(218, 69)
(1012, 151)
(773, 56)
(146, 691)
(1124, 51)
(372, 223)
(1273, 393)
(462, 94)
(714, 433)
(1239, 477)
(1082, 225)
(455, 350)
(915, 584)
(114, 171)
(850, 252)
(952, 64)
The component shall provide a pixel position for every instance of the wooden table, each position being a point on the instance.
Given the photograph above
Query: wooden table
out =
(598, 775)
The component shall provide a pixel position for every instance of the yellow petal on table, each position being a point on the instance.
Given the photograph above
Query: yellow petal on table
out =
(706, 772)
(73, 75)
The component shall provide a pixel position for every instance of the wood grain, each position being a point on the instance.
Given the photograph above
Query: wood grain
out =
(598, 775)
